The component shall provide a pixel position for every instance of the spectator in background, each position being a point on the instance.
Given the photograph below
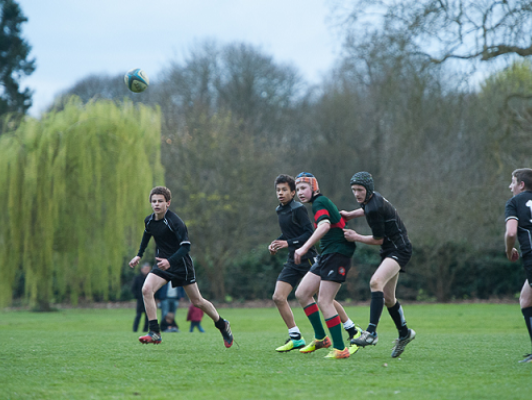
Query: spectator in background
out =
(169, 297)
(137, 293)
(194, 316)
(168, 323)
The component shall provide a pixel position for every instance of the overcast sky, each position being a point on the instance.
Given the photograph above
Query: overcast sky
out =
(73, 38)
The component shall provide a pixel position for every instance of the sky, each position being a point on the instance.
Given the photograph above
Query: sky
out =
(71, 39)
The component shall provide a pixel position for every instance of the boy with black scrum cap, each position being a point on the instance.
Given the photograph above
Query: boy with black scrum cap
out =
(389, 232)
(174, 264)
(296, 228)
(328, 273)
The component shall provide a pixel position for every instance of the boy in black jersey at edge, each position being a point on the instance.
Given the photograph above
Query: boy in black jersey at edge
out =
(174, 264)
(296, 228)
(389, 232)
(518, 216)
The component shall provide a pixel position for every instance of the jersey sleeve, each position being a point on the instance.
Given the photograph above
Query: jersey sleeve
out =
(302, 219)
(180, 230)
(146, 236)
(321, 213)
(510, 211)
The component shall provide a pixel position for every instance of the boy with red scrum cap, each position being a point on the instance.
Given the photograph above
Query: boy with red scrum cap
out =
(296, 228)
(328, 273)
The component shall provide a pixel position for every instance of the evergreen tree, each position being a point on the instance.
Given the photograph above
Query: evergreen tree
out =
(14, 62)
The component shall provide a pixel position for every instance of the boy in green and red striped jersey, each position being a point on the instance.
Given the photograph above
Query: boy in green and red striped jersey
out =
(330, 270)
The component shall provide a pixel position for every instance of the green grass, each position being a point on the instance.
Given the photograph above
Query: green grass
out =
(467, 351)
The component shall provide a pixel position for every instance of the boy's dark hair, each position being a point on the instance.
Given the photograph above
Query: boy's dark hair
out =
(524, 175)
(162, 190)
(286, 179)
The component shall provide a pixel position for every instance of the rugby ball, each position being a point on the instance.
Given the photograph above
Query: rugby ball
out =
(136, 80)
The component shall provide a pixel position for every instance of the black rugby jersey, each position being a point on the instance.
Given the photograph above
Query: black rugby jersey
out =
(170, 233)
(519, 207)
(295, 226)
(385, 223)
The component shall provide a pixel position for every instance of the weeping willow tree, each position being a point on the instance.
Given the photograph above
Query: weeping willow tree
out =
(74, 187)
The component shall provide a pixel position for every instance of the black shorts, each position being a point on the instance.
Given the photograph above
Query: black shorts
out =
(527, 265)
(332, 267)
(292, 273)
(181, 275)
(402, 256)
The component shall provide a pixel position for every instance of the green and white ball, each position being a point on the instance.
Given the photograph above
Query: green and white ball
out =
(136, 80)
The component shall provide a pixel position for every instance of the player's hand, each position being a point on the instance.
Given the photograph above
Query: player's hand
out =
(279, 244)
(271, 249)
(298, 254)
(134, 261)
(345, 214)
(514, 255)
(350, 235)
(162, 263)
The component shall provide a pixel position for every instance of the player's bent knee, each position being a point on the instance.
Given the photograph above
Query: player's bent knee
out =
(198, 302)
(278, 299)
(147, 290)
(300, 295)
(375, 285)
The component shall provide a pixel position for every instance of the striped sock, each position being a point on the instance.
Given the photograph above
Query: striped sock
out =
(335, 327)
(313, 314)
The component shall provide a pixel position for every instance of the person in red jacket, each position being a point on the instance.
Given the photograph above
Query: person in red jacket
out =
(195, 315)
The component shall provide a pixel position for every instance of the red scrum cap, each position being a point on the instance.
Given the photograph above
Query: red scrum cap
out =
(305, 177)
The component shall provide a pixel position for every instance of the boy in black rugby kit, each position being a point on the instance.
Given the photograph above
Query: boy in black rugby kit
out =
(518, 216)
(174, 264)
(296, 228)
(389, 232)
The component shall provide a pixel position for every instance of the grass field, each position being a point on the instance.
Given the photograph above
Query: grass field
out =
(466, 351)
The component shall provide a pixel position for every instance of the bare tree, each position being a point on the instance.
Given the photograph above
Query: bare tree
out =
(446, 29)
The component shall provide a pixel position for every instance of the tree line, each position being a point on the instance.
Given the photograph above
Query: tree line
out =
(440, 148)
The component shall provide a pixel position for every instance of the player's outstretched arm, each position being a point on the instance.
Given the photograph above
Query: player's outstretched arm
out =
(352, 236)
(349, 215)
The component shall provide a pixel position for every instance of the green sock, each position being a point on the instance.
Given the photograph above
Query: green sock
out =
(335, 327)
(313, 314)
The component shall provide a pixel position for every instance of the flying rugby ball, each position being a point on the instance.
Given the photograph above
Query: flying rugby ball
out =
(136, 80)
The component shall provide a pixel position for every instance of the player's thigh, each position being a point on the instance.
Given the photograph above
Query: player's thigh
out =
(328, 291)
(525, 299)
(386, 271)
(308, 286)
(152, 284)
(282, 290)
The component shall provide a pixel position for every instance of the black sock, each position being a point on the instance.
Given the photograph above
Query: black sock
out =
(396, 312)
(352, 331)
(220, 324)
(375, 310)
(295, 336)
(154, 326)
(527, 313)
